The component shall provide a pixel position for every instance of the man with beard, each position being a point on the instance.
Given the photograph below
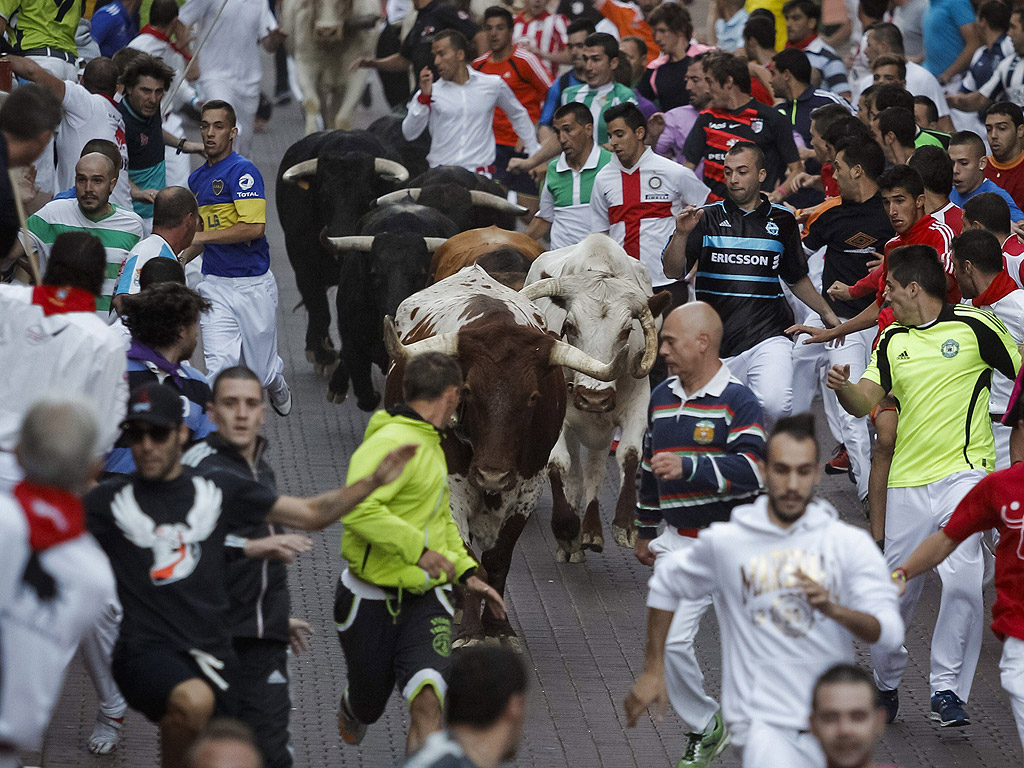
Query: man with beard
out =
(794, 586)
(90, 211)
(846, 718)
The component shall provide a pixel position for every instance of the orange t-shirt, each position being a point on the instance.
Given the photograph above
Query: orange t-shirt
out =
(529, 80)
(630, 22)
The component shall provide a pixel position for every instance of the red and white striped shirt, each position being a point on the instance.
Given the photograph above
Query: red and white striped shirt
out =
(548, 33)
(1013, 259)
(952, 215)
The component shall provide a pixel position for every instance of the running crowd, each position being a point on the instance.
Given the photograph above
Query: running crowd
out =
(832, 196)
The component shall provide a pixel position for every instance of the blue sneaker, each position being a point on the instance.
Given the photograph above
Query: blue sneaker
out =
(948, 709)
(890, 702)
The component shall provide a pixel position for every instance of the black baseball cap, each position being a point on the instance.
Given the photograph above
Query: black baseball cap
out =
(155, 404)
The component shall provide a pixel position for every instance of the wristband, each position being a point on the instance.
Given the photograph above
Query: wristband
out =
(900, 574)
(423, 98)
(181, 146)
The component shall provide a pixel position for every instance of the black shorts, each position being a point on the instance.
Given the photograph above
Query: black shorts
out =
(522, 183)
(411, 650)
(146, 675)
(261, 691)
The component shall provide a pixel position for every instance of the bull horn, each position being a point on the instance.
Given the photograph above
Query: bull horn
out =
(390, 169)
(413, 193)
(300, 171)
(496, 202)
(543, 289)
(446, 343)
(351, 243)
(642, 365)
(433, 243)
(569, 356)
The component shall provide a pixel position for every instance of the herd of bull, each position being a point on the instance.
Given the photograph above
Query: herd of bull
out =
(555, 347)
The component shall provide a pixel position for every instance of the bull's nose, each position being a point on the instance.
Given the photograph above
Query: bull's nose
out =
(492, 480)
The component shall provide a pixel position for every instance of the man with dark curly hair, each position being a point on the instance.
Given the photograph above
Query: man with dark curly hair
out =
(164, 324)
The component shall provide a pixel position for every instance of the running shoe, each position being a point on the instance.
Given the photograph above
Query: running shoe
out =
(839, 463)
(281, 401)
(948, 710)
(890, 701)
(350, 729)
(702, 748)
(105, 734)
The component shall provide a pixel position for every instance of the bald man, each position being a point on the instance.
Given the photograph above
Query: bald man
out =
(91, 211)
(703, 440)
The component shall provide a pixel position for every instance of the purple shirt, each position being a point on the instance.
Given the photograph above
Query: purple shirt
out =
(647, 107)
(678, 123)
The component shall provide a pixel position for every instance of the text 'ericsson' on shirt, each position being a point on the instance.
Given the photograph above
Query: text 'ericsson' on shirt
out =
(745, 258)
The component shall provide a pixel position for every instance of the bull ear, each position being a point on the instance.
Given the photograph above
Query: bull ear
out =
(659, 302)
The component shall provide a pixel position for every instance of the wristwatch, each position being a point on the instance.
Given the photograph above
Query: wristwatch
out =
(181, 145)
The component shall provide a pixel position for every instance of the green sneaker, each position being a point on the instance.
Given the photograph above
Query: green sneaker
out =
(704, 747)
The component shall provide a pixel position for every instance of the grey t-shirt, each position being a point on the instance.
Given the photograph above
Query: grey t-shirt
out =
(440, 750)
(909, 17)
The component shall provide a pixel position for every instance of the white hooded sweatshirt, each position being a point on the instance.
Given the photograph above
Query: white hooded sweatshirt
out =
(774, 644)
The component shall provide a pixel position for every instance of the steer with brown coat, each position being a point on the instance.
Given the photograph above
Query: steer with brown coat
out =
(513, 403)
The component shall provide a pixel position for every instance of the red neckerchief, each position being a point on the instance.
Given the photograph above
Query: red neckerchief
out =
(1000, 288)
(802, 44)
(149, 29)
(54, 516)
(58, 299)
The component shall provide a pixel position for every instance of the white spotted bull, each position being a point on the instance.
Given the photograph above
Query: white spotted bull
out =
(601, 301)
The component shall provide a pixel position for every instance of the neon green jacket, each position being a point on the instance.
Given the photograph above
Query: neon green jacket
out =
(384, 536)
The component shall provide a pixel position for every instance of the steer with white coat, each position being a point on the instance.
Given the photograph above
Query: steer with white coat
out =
(600, 300)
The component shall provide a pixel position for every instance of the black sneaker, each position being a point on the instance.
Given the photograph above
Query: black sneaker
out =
(948, 710)
(890, 701)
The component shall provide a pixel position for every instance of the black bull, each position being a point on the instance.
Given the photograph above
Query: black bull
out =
(329, 202)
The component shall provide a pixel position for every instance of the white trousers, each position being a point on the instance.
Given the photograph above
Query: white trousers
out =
(683, 676)
(97, 651)
(46, 166)
(244, 99)
(178, 166)
(912, 515)
(768, 746)
(811, 363)
(1011, 675)
(241, 327)
(767, 369)
(1002, 438)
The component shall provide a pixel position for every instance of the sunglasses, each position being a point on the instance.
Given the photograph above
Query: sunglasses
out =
(134, 433)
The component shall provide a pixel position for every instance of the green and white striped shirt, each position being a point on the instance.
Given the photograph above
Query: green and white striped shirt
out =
(118, 230)
(597, 100)
(565, 197)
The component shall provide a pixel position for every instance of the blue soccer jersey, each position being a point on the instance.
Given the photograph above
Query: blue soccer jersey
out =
(231, 192)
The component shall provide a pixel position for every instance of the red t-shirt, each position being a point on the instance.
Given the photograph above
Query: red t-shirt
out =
(952, 215)
(760, 93)
(925, 231)
(1010, 176)
(828, 181)
(529, 81)
(998, 502)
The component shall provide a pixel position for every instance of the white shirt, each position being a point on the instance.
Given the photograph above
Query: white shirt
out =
(920, 82)
(461, 121)
(570, 223)
(89, 116)
(63, 356)
(1009, 309)
(774, 644)
(654, 191)
(232, 52)
(40, 637)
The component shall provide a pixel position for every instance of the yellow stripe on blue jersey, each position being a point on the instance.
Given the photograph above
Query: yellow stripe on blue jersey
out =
(231, 192)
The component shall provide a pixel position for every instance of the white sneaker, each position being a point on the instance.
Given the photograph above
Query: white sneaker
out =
(281, 401)
(105, 734)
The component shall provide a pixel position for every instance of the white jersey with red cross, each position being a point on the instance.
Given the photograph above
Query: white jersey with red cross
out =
(637, 207)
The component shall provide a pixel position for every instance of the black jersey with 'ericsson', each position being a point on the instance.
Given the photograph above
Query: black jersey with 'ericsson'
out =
(740, 257)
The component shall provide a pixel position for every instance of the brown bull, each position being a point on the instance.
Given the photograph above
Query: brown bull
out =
(506, 256)
(511, 413)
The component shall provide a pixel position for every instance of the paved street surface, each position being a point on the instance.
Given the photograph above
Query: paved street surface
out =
(582, 626)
